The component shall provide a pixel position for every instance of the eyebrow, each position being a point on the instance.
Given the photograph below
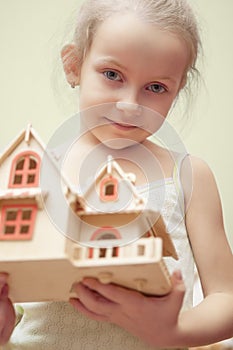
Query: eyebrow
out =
(109, 60)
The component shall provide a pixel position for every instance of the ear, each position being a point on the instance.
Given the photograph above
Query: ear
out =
(71, 64)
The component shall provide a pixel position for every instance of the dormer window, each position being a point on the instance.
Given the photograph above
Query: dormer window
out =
(25, 170)
(109, 189)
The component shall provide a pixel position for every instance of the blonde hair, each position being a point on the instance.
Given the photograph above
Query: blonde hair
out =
(175, 16)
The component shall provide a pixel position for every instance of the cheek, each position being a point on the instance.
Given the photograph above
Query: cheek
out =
(164, 106)
(93, 91)
(92, 96)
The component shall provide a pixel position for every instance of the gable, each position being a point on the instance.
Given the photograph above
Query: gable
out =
(112, 190)
(26, 143)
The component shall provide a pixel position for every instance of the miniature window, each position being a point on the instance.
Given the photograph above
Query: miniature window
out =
(103, 252)
(77, 253)
(105, 233)
(25, 170)
(109, 189)
(17, 222)
(115, 251)
(141, 250)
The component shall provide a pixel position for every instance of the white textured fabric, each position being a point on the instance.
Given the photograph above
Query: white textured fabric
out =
(57, 326)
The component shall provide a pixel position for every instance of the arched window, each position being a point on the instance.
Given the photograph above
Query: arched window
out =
(105, 233)
(109, 189)
(25, 170)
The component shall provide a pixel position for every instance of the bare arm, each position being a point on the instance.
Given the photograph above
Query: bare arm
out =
(211, 320)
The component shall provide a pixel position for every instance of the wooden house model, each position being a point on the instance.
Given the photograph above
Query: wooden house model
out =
(45, 256)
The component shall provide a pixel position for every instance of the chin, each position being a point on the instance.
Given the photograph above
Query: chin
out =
(119, 143)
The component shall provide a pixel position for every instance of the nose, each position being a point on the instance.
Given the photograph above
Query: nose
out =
(129, 109)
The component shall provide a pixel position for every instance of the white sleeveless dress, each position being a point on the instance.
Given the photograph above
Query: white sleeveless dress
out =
(57, 326)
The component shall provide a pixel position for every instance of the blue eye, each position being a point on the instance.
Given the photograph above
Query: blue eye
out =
(111, 75)
(156, 88)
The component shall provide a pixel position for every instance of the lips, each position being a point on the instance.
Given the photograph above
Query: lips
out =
(121, 126)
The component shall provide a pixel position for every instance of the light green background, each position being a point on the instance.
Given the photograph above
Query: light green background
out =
(31, 35)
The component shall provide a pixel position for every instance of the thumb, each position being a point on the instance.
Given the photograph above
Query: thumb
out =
(177, 281)
(3, 285)
(178, 287)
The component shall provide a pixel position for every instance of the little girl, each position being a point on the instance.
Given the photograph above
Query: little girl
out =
(139, 54)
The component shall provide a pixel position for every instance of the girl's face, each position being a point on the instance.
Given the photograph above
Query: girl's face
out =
(131, 64)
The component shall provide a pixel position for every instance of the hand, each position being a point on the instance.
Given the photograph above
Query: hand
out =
(7, 313)
(153, 319)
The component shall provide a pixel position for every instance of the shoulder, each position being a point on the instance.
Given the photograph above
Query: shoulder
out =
(198, 181)
(197, 172)
(200, 168)
(204, 208)
(203, 179)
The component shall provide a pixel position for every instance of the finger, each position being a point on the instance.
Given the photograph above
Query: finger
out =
(4, 290)
(93, 301)
(76, 303)
(177, 281)
(178, 289)
(111, 291)
(3, 279)
(7, 320)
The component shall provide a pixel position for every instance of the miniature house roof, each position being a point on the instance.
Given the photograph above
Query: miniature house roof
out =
(22, 193)
(112, 168)
(25, 135)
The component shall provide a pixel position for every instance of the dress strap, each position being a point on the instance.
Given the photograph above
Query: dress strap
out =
(177, 181)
